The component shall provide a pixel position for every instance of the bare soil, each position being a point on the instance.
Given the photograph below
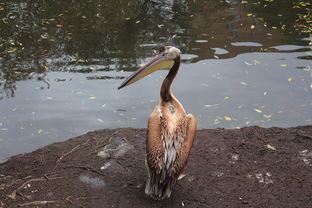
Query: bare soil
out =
(247, 167)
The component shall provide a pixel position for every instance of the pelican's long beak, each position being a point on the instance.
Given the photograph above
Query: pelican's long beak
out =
(157, 63)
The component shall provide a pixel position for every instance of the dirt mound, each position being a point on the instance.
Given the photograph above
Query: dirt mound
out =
(248, 167)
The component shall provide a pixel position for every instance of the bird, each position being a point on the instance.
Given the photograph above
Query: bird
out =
(170, 130)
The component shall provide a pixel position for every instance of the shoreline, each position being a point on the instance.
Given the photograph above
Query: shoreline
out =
(247, 167)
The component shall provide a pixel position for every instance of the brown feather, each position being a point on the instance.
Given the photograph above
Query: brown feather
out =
(169, 140)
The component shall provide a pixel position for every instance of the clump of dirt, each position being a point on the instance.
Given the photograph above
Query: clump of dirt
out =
(247, 167)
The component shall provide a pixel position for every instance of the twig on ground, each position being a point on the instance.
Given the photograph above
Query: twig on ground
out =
(34, 203)
(71, 151)
(13, 194)
(103, 142)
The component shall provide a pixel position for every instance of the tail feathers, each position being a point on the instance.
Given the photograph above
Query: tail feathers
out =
(159, 186)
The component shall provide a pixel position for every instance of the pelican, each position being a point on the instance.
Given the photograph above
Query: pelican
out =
(170, 131)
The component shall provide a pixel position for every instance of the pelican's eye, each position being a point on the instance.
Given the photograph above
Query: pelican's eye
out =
(161, 50)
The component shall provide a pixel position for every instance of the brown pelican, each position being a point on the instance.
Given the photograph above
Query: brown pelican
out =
(170, 131)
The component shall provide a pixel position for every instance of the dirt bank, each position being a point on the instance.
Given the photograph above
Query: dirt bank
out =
(248, 167)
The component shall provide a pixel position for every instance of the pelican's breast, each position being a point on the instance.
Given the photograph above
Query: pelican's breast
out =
(173, 133)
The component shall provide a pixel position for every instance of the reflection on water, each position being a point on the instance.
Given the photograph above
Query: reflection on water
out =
(244, 63)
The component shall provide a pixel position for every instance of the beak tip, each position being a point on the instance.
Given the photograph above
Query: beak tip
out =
(121, 86)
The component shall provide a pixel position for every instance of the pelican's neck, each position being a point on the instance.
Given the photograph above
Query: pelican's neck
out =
(165, 92)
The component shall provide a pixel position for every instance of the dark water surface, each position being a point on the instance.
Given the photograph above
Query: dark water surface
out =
(244, 63)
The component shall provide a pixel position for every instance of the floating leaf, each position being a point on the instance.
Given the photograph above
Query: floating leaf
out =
(226, 97)
(267, 116)
(203, 84)
(270, 147)
(175, 35)
(256, 61)
(283, 65)
(100, 120)
(137, 22)
(252, 27)
(243, 83)
(39, 131)
(58, 25)
(227, 118)
(12, 50)
(49, 98)
(258, 110)
(290, 79)
(44, 36)
(249, 14)
(127, 18)
(212, 105)
(91, 97)
(160, 25)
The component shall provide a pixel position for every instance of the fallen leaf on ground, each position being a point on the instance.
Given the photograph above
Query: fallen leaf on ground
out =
(270, 147)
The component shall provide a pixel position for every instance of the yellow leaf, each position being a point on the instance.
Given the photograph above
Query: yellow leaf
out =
(137, 22)
(267, 116)
(226, 97)
(249, 14)
(270, 147)
(258, 110)
(127, 18)
(227, 118)
(283, 65)
(252, 27)
(289, 79)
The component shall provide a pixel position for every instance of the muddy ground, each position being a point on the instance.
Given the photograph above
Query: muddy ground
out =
(248, 167)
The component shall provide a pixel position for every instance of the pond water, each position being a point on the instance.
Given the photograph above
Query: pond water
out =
(244, 63)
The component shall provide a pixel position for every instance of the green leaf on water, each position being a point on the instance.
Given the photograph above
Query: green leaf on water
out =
(283, 65)
(12, 50)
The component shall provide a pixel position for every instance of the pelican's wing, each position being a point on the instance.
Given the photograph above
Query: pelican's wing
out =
(154, 145)
(186, 145)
